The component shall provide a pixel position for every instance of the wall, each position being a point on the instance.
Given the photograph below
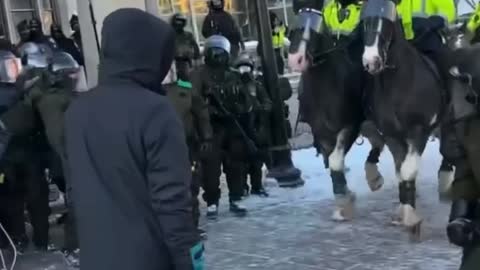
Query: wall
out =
(101, 9)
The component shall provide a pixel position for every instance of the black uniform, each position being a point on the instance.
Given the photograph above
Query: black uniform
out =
(127, 155)
(230, 107)
(220, 22)
(76, 36)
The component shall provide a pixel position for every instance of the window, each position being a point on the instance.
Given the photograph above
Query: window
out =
(47, 16)
(22, 10)
(3, 24)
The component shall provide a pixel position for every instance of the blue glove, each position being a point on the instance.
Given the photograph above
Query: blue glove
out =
(197, 255)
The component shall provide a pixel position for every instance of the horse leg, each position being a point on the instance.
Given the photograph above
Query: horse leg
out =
(344, 198)
(448, 149)
(407, 160)
(374, 177)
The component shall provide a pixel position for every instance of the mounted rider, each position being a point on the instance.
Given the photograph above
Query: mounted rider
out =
(342, 17)
(423, 21)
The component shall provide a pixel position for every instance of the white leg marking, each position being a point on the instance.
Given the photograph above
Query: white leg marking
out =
(336, 160)
(434, 120)
(409, 168)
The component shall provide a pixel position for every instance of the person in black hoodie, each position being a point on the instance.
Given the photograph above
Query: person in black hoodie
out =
(128, 160)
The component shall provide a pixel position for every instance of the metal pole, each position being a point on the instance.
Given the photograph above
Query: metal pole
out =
(282, 168)
(285, 14)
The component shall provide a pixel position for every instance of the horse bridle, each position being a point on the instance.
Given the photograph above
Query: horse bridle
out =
(384, 49)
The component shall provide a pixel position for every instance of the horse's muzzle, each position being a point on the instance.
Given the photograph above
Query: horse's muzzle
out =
(297, 61)
(373, 64)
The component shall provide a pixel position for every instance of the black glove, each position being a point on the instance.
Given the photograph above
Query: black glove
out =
(461, 230)
(206, 147)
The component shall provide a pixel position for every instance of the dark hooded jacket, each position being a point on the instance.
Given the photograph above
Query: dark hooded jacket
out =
(129, 168)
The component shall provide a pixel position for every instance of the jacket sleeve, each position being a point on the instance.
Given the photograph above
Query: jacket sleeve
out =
(474, 21)
(201, 115)
(168, 174)
(207, 29)
(196, 49)
(447, 10)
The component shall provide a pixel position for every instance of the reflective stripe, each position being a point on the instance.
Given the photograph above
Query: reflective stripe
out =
(350, 22)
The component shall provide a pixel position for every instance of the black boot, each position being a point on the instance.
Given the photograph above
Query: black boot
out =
(237, 209)
(260, 192)
(461, 229)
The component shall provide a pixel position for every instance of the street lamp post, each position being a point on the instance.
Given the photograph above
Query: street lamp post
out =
(282, 169)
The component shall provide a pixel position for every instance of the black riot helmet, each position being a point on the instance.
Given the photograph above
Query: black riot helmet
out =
(35, 55)
(216, 4)
(23, 31)
(63, 70)
(35, 28)
(179, 21)
(10, 67)
(217, 51)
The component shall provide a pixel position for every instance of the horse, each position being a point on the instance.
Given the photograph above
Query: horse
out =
(406, 99)
(331, 104)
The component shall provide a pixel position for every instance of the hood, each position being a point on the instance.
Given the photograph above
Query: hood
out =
(136, 46)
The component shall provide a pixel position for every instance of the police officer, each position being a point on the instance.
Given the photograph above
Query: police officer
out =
(23, 30)
(464, 227)
(227, 103)
(76, 36)
(342, 17)
(279, 32)
(186, 48)
(193, 111)
(23, 170)
(422, 23)
(259, 125)
(37, 35)
(220, 22)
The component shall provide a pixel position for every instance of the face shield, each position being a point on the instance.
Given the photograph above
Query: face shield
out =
(310, 19)
(64, 70)
(34, 56)
(379, 9)
(10, 67)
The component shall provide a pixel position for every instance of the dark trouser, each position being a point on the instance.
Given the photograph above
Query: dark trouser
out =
(256, 174)
(196, 178)
(467, 180)
(279, 61)
(229, 150)
(28, 186)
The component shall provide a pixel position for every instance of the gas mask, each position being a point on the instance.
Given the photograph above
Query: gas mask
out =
(216, 4)
(246, 73)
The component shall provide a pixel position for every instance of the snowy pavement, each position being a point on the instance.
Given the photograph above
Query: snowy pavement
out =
(292, 229)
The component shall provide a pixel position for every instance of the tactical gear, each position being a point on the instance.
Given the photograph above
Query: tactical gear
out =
(217, 51)
(462, 230)
(35, 55)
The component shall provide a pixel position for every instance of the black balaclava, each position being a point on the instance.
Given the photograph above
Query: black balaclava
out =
(56, 32)
(179, 21)
(217, 5)
(23, 31)
(74, 23)
(35, 28)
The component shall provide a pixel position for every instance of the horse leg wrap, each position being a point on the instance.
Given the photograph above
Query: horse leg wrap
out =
(407, 192)
(374, 156)
(339, 183)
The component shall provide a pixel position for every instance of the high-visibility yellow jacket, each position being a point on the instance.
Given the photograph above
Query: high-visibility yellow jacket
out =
(278, 37)
(474, 21)
(410, 10)
(348, 24)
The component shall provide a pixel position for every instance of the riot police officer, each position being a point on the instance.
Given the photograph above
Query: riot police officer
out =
(193, 111)
(220, 22)
(228, 103)
(186, 48)
(259, 125)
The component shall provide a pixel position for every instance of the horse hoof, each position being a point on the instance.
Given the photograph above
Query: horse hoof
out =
(338, 216)
(374, 178)
(344, 207)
